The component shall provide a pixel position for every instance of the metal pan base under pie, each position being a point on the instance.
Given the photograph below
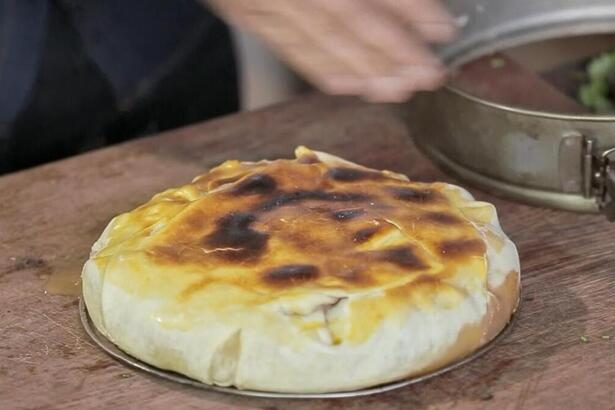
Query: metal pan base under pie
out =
(123, 357)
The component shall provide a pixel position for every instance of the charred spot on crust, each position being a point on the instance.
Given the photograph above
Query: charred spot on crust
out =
(442, 218)
(461, 247)
(235, 239)
(291, 274)
(365, 234)
(344, 174)
(347, 214)
(287, 198)
(255, 184)
(413, 195)
(404, 257)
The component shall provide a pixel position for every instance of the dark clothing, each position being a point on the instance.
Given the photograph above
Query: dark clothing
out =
(81, 74)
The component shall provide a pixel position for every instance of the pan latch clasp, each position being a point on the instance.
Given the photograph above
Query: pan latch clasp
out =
(599, 177)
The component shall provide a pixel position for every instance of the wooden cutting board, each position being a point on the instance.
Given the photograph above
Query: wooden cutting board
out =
(559, 355)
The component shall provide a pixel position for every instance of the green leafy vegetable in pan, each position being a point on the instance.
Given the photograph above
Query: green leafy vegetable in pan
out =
(598, 94)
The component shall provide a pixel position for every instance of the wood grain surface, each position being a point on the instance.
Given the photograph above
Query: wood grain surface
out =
(49, 217)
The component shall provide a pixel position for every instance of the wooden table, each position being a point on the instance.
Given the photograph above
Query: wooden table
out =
(49, 217)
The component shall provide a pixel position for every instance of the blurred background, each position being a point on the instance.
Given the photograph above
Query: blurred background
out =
(79, 75)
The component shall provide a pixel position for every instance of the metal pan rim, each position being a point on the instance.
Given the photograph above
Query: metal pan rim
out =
(595, 17)
(528, 112)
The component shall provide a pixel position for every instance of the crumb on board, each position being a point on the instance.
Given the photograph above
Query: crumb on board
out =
(486, 396)
(497, 62)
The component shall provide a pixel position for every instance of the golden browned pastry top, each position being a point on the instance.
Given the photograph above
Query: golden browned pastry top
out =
(301, 225)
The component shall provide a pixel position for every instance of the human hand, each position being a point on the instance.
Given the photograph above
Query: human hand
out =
(376, 49)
